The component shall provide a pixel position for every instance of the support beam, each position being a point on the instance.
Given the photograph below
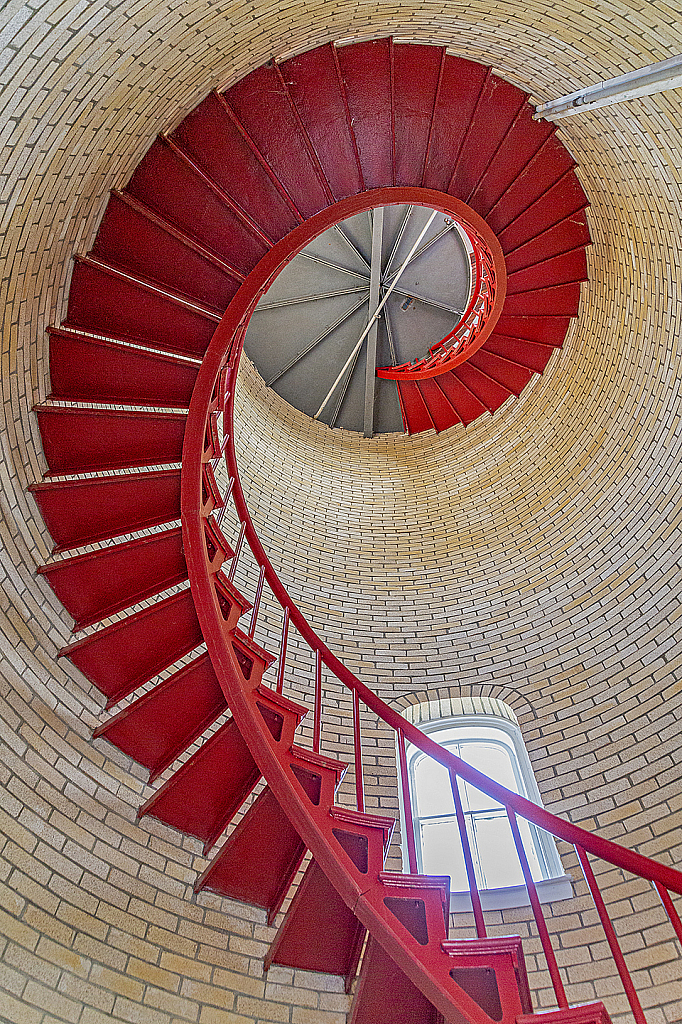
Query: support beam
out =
(374, 286)
(666, 74)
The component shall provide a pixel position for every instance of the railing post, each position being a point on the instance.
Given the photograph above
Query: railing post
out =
(468, 859)
(223, 508)
(609, 930)
(670, 909)
(547, 949)
(317, 724)
(357, 742)
(283, 651)
(256, 602)
(407, 804)
(237, 553)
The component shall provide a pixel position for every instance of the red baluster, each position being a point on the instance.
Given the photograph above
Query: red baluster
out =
(283, 651)
(317, 725)
(670, 909)
(609, 930)
(237, 553)
(468, 859)
(357, 741)
(547, 949)
(407, 803)
(256, 601)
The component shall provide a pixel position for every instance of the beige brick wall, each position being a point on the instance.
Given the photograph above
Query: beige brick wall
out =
(533, 557)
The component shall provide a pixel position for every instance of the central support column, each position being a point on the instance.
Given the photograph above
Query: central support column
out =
(374, 286)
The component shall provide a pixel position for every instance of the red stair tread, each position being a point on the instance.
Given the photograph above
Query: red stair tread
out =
(88, 440)
(568, 234)
(97, 584)
(315, 87)
(460, 87)
(564, 198)
(510, 375)
(385, 995)
(168, 185)
(259, 860)
(213, 139)
(498, 106)
(560, 300)
(264, 108)
(568, 267)
(440, 409)
(415, 412)
(78, 512)
(522, 142)
(202, 796)
(588, 1013)
(366, 75)
(122, 656)
(160, 255)
(549, 164)
(473, 952)
(106, 303)
(319, 932)
(83, 368)
(161, 724)
(527, 353)
(467, 405)
(416, 73)
(487, 391)
(547, 330)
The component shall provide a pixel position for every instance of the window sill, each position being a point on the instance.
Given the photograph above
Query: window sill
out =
(548, 889)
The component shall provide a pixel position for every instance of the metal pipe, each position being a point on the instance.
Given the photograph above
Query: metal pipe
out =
(283, 651)
(666, 74)
(317, 724)
(468, 859)
(256, 602)
(407, 803)
(357, 742)
(237, 553)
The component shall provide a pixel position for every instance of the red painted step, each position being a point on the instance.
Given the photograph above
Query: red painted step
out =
(526, 353)
(460, 88)
(259, 860)
(102, 582)
(162, 254)
(511, 375)
(78, 512)
(87, 369)
(495, 113)
(105, 301)
(589, 1013)
(266, 113)
(319, 932)
(214, 140)
(161, 724)
(441, 411)
(366, 75)
(568, 234)
(519, 146)
(176, 188)
(202, 796)
(385, 995)
(416, 415)
(89, 440)
(551, 162)
(493, 972)
(315, 86)
(416, 76)
(364, 838)
(466, 404)
(568, 267)
(562, 200)
(484, 388)
(560, 300)
(122, 656)
(547, 330)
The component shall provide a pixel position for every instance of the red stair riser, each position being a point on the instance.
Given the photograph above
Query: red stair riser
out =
(161, 724)
(547, 330)
(89, 440)
(562, 200)
(569, 267)
(560, 300)
(416, 73)
(569, 234)
(499, 105)
(511, 375)
(526, 353)
(460, 88)
(78, 512)
(96, 585)
(365, 71)
(92, 370)
(466, 404)
(414, 408)
(440, 410)
(551, 163)
(515, 152)
(487, 391)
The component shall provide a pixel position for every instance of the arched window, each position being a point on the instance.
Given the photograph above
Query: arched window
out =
(485, 733)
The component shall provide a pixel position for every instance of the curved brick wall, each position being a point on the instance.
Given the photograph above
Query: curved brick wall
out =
(533, 557)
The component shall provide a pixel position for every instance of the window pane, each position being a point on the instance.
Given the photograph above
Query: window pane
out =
(492, 760)
(442, 853)
(433, 791)
(497, 855)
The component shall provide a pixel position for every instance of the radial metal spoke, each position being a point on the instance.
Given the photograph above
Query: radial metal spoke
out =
(328, 330)
(309, 298)
(427, 245)
(374, 292)
(429, 302)
(333, 266)
(350, 244)
(389, 335)
(344, 389)
(398, 237)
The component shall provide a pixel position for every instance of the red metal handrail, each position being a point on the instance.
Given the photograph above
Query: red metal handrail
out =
(223, 353)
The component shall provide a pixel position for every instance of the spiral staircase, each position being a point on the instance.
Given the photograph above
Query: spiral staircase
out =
(136, 431)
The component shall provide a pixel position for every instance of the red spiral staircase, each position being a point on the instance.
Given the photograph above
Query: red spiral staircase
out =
(139, 417)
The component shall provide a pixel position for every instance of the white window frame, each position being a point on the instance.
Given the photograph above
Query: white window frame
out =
(555, 884)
